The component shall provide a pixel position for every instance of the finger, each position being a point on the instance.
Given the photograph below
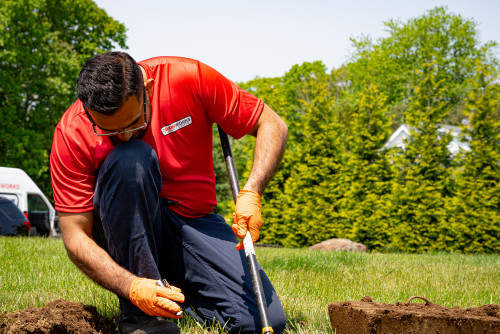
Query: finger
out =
(167, 305)
(255, 221)
(255, 237)
(175, 316)
(160, 312)
(239, 246)
(175, 288)
(254, 232)
(239, 231)
(243, 224)
(170, 294)
(235, 229)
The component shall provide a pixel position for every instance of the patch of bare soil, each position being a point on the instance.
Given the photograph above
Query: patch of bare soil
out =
(368, 317)
(57, 317)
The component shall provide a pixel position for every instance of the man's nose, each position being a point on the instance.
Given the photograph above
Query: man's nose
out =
(125, 136)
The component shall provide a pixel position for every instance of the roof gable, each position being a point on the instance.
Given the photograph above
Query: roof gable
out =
(399, 136)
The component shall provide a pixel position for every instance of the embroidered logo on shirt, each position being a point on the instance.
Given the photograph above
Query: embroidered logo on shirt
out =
(167, 129)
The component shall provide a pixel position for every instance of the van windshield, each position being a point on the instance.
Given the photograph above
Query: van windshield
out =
(35, 203)
(10, 209)
(12, 197)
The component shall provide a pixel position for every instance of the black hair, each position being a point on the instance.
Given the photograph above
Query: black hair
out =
(107, 81)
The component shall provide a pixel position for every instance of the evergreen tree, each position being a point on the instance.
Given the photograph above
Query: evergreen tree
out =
(474, 213)
(422, 180)
(365, 177)
(337, 181)
(299, 202)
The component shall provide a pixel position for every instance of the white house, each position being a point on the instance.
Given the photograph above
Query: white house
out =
(397, 139)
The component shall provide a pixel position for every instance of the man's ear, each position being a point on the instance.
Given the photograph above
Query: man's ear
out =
(149, 85)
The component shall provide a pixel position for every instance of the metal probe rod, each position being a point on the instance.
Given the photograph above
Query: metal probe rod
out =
(258, 290)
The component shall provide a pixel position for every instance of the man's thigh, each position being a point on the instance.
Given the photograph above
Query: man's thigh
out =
(215, 277)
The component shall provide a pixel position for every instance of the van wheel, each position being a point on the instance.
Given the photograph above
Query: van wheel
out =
(44, 231)
(40, 220)
(33, 232)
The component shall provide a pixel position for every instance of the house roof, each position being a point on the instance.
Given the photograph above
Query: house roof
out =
(399, 136)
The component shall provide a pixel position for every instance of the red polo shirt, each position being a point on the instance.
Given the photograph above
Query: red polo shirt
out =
(187, 98)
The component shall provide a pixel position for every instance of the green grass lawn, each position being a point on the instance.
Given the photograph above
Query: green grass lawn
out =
(35, 271)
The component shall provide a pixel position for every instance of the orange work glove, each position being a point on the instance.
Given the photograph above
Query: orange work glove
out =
(155, 300)
(247, 216)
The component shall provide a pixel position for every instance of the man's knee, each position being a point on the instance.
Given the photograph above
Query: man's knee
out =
(129, 175)
(277, 320)
(134, 157)
(131, 162)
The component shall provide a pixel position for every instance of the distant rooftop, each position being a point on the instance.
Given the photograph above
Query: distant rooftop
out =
(399, 136)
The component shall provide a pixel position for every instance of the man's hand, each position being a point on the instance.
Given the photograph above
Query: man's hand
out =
(247, 215)
(155, 300)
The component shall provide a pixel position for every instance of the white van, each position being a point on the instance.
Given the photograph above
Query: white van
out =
(17, 186)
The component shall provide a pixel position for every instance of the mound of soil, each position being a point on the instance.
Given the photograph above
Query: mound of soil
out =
(57, 317)
(368, 317)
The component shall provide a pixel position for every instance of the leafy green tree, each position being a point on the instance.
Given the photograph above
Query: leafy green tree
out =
(43, 45)
(447, 39)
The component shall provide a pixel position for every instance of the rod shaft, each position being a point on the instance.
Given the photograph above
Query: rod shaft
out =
(247, 241)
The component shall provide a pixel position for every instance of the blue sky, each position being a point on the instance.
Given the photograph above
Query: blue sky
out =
(265, 38)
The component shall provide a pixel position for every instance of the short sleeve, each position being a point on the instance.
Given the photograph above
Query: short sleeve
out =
(227, 104)
(72, 178)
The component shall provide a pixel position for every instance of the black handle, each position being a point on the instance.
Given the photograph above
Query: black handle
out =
(258, 290)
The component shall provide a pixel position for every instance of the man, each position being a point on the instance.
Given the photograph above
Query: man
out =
(134, 185)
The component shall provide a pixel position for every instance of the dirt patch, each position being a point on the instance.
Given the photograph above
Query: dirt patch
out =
(364, 317)
(368, 317)
(57, 317)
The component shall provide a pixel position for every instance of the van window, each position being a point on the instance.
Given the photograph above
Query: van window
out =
(11, 210)
(12, 197)
(35, 203)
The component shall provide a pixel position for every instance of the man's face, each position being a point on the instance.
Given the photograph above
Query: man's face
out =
(128, 117)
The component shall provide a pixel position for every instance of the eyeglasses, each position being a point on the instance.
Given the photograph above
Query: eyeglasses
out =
(118, 132)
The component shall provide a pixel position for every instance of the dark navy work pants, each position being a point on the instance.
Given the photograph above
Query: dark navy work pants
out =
(197, 255)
